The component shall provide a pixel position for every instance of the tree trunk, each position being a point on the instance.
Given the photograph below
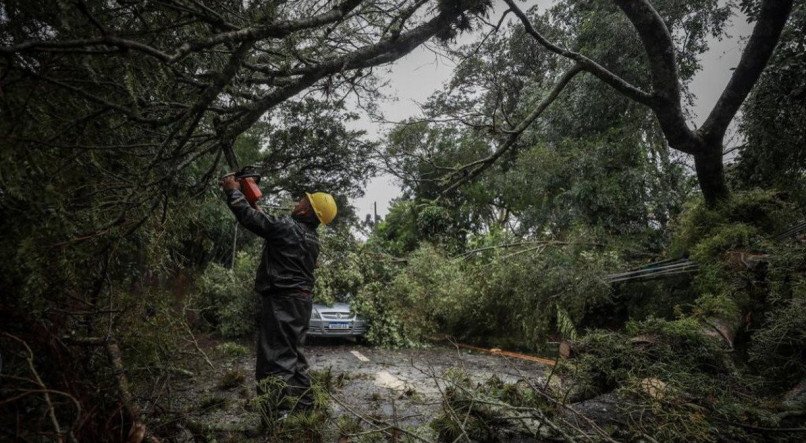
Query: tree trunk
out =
(711, 173)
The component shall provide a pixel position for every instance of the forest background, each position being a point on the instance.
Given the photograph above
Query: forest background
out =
(558, 154)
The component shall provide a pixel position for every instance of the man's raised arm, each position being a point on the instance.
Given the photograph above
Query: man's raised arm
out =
(256, 221)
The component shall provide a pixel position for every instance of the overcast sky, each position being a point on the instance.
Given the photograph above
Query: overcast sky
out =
(412, 79)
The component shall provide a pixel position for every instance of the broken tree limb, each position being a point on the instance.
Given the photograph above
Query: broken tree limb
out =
(721, 329)
(497, 351)
(29, 358)
(380, 426)
(520, 420)
(138, 431)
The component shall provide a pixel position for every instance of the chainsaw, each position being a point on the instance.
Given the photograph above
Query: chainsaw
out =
(248, 177)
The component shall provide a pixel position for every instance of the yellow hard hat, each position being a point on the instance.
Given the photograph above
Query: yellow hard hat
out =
(323, 205)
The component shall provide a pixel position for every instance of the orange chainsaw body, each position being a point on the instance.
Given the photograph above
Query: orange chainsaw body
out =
(250, 190)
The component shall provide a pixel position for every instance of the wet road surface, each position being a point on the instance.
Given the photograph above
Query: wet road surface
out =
(402, 387)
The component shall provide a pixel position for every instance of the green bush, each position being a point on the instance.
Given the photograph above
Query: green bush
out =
(762, 211)
(339, 274)
(494, 294)
(226, 296)
(386, 328)
(778, 344)
(748, 222)
(725, 238)
(672, 382)
(530, 288)
(432, 293)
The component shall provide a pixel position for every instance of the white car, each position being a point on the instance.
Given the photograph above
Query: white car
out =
(335, 321)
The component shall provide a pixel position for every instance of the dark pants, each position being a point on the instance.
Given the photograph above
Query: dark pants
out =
(284, 322)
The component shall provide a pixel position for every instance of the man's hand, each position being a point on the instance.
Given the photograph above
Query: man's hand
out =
(228, 183)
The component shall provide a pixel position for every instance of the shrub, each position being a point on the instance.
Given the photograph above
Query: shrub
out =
(506, 295)
(762, 211)
(226, 296)
(386, 328)
(671, 381)
(778, 345)
(431, 294)
(747, 222)
(339, 273)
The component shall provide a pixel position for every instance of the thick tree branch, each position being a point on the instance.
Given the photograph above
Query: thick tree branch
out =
(659, 47)
(80, 45)
(271, 30)
(584, 62)
(665, 97)
(278, 29)
(212, 91)
(759, 49)
(128, 112)
(376, 54)
(385, 51)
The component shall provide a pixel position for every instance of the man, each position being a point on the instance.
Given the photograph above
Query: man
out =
(284, 280)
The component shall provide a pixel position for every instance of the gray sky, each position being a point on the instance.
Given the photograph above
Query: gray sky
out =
(412, 79)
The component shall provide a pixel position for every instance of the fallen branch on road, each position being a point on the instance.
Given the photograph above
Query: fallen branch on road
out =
(381, 426)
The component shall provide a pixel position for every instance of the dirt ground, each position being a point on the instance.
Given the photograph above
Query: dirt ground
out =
(401, 387)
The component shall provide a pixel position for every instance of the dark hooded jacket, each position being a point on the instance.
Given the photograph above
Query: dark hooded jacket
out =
(290, 249)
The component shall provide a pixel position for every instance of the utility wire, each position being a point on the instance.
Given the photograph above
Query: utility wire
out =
(673, 267)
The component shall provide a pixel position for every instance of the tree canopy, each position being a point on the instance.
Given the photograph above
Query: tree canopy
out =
(549, 195)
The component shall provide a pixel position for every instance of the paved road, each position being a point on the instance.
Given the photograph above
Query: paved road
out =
(408, 383)
(399, 386)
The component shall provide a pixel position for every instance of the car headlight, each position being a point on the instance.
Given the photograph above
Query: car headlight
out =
(315, 314)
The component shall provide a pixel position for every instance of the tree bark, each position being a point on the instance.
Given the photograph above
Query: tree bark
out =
(711, 174)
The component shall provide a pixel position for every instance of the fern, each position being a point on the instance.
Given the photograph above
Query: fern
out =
(565, 325)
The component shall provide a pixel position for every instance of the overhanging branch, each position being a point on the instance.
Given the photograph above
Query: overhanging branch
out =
(277, 29)
(382, 52)
(585, 63)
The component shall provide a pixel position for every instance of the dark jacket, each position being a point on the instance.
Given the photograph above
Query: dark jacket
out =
(289, 252)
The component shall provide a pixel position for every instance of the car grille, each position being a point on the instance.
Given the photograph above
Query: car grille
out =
(337, 315)
(356, 328)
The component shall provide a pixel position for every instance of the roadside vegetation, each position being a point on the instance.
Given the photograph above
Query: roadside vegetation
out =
(528, 181)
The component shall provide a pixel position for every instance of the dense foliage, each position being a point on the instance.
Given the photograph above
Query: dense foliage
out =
(118, 116)
(774, 115)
